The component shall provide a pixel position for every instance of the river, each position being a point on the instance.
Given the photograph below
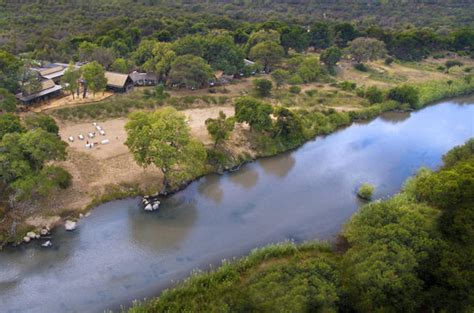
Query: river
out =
(120, 252)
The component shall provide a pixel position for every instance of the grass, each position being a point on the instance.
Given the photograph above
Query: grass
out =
(122, 105)
(433, 91)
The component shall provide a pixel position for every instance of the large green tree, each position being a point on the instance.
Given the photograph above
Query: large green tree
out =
(320, 35)
(9, 71)
(190, 71)
(364, 49)
(94, 76)
(7, 101)
(163, 138)
(70, 79)
(267, 53)
(257, 114)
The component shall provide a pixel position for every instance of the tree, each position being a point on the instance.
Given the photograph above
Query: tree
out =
(330, 57)
(294, 37)
(9, 123)
(374, 95)
(254, 112)
(163, 138)
(191, 44)
(262, 87)
(89, 52)
(30, 81)
(41, 146)
(70, 79)
(94, 77)
(343, 33)
(320, 35)
(223, 54)
(288, 126)
(280, 76)
(7, 101)
(161, 60)
(405, 94)
(120, 65)
(267, 53)
(144, 52)
(220, 128)
(9, 71)
(42, 121)
(310, 70)
(364, 49)
(262, 36)
(190, 71)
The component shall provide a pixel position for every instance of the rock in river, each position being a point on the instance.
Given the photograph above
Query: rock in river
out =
(31, 234)
(70, 225)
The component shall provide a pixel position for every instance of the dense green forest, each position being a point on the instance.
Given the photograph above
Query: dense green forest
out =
(410, 253)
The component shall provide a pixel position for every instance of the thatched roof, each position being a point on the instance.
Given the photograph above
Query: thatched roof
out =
(116, 79)
(136, 76)
(51, 70)
(47, 87)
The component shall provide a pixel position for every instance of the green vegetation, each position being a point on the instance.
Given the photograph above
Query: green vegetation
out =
(411, 252)
(366, 191)
(25, 172)
(220, 128)
(162, 138)
(263, 87)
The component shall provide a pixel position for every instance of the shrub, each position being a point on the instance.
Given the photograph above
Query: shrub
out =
(452, 63)
(262, 87)
(295, 89)
(295, 80)
(405, 94)
(361, 67)
(439, 56)
(374, 95)
(347, 85)
(388, 60)
(365, 191)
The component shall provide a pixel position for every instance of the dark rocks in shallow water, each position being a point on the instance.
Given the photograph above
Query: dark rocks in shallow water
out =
(150, 203)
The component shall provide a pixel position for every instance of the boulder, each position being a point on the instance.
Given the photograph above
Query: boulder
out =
(70, 225)
(47, 244)
(26, 239)
(31, 234)
(149, 207)
(44, 231)
(156, 205)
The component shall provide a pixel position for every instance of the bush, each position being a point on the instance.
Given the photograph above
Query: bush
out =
(405, 94)
(374, 95)
(295, 89)
(347, 85)
(262, 87)
(388, 61)
(58, 176)
(452, 63)
(439, 56)
(361, 67)
(365, 191)
(295, 80)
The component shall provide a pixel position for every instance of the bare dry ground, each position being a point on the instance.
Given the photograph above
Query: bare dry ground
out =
(93, 169)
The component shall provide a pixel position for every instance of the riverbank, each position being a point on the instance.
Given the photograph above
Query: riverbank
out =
(305, 194)
(390, 256)
(73, 204)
